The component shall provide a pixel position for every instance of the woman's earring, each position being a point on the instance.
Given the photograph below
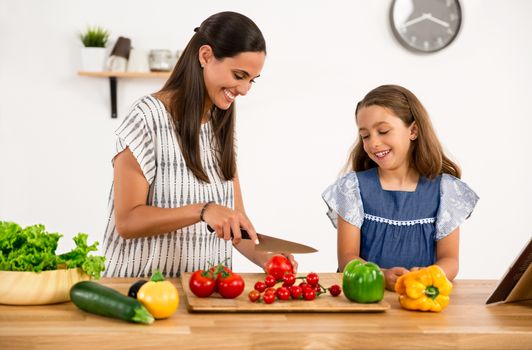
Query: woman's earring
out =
(202, 65)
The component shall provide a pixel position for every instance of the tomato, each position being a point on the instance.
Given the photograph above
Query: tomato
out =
(304, 285)
(313, 279)
(270, 290)
(230, 286)
(277, 266)
(260, 286)
(309, 294)
(268, 298)
(270, 281)
(283, 293)
(335, 290)
(318, 289)
(296, 292)
(289, 279)
(254, 295)
(218, 271)
(202, 283)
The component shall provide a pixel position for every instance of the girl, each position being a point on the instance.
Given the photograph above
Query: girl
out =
(403, 202)
(175, 164)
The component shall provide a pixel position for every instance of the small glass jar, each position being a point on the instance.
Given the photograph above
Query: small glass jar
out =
(160, 60)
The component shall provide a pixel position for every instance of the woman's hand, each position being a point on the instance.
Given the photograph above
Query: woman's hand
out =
(225, 221)
(391, 275)
(289, 256)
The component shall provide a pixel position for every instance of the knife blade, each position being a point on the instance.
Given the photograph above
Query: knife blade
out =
(275, 245)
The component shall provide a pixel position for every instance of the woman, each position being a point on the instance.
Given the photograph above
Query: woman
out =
(175, 170)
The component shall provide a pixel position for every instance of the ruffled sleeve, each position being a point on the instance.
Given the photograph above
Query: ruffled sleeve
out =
(343, 199)
(135, 134)
(457, 202)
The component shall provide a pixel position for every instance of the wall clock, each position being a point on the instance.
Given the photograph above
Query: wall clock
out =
(425, 25)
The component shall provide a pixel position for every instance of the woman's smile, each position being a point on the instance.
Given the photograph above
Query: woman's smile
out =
(230, 97)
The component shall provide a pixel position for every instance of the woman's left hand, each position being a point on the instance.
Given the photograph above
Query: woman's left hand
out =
(289, 256)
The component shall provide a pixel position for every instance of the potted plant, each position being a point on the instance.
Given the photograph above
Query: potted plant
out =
(94, 40)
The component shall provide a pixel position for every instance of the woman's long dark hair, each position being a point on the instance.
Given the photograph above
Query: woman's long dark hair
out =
(228, 34)
(428, 157)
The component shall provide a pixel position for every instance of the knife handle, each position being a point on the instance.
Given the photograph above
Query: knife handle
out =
(244, 233)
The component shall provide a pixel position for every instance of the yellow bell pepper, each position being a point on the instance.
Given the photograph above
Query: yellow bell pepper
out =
(160, 297)
(427, 289)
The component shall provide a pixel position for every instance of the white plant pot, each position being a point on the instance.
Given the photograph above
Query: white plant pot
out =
(92, 59)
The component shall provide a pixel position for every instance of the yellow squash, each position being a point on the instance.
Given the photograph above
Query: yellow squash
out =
(427, 289)
(159, 296)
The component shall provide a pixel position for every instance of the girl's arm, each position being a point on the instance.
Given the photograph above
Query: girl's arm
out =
(348, 243)
(447, 256)
(247, 247)
(349, 249)
(134, 218)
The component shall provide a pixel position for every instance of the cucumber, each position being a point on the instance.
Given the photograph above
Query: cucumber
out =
(101, 300)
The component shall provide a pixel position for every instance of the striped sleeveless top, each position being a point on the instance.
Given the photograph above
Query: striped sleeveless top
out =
(148, 132)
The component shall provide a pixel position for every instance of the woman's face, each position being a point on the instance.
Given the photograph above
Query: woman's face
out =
(229, 77)
(385, 136)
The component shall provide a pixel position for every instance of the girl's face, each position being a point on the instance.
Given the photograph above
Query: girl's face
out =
(229, 77)
(385, 137)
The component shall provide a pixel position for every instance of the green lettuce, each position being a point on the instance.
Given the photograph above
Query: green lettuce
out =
(33, 249)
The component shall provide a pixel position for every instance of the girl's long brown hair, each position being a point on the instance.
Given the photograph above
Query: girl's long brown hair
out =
(428, 158)
(228, 34)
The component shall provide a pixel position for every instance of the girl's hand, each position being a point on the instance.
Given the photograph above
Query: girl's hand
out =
(225, 221)
(391, 275)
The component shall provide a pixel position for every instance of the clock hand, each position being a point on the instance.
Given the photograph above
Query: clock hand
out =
(437, 20)
(416, 20)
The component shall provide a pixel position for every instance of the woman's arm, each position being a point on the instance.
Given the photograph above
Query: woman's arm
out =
(247, 247)
(134, 218)
(447, 253)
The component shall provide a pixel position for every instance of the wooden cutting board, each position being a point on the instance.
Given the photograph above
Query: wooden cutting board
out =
(323, 303)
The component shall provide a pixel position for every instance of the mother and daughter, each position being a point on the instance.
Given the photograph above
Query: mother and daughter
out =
(175, 172)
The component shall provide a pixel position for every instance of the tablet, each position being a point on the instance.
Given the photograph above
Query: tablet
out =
(516, 285)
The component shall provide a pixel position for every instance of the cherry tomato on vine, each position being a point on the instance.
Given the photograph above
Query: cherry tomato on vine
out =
(289, 279)
(260, 286)
(270, 290)
(296, 292)
(283, 293)
(309, 294)
(268, 298)
(335, 290)
(254, 295)
(270, 281)
(313, 279)
(318, 289)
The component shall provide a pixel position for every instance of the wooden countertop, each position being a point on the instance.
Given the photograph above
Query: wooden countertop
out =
(466, 324)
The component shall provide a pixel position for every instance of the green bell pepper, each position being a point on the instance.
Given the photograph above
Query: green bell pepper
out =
(363, 282)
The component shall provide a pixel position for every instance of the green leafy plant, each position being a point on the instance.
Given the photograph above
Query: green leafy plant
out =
(33, 249)
(94, 37)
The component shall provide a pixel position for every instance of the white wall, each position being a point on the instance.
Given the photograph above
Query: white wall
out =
(294, 128)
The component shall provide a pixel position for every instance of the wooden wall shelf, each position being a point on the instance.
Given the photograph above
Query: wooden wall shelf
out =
(113, 81)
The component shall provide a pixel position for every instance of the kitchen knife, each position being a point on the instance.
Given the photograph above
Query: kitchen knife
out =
(275, 245)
